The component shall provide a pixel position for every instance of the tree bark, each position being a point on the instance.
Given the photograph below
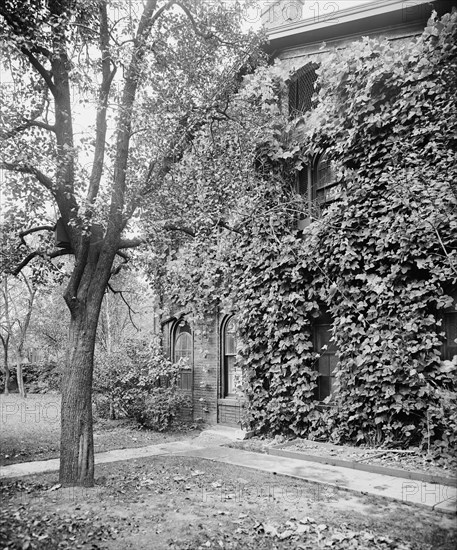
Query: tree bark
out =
(20, 377)
(76, 444)
(76, 440)
(6, 370)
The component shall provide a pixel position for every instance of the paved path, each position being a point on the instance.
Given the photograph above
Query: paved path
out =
(209, 445)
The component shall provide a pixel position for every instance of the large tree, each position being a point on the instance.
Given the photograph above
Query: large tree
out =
(102, 98)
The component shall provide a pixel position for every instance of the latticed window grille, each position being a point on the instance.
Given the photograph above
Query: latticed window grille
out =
(301, 90)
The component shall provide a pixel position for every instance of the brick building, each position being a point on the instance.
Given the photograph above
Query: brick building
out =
(300, 34)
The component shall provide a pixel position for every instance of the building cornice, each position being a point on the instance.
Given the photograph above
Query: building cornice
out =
(360, 19)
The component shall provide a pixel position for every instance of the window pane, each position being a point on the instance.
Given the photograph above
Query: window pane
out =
(325, 173)
(229, 357)
(230, 346)
(186, 381)
(230, 365)
(449, 348)
(324, 387)
(326, 364)
(301, 90)
(183, 346)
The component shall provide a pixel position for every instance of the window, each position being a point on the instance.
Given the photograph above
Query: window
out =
(326, 363)
(318, 185)
(228, 357)
(325, 188)
(449, 348)
(301, 90)
(183, 350)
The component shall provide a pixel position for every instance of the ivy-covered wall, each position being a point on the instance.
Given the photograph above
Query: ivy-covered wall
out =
(382, 260)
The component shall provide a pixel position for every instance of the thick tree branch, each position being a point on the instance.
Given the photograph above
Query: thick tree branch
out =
(159, 12)
(123, 255)
(23, 234)
(130, 243)
(125, 261)
(27, 124)
(101, 126)
(38, 253)
(16, 24)
(46, 181)
(206, 35)
(129, 308)
(41, 70)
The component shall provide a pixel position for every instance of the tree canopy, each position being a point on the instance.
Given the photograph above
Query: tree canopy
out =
(103, 98)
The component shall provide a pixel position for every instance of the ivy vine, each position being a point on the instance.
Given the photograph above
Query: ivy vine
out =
(382, 260)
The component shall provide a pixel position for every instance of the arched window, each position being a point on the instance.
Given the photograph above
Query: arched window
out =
(183, 346)
(183, 349)
(228, 357)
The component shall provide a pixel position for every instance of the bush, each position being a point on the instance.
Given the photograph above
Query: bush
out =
(159, 410)
(103, 406)
(140, 383)
(42, 377)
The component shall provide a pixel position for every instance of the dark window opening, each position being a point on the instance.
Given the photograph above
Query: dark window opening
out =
(449, 348)
(325, 188)
(319, 187)
(301, 90)
(327, 361)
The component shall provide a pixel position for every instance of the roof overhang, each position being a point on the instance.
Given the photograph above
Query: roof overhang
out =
(287, 29)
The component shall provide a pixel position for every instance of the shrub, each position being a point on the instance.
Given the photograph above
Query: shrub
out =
(140, 383)
(159, 410)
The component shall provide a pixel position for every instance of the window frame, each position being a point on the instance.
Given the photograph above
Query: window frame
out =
(227, 390)
(324, 321)
(185, 379)
(449, 331)
(305, 75)
(306, 185)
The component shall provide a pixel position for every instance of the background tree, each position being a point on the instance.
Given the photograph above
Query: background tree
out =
(17, 305)
(145, 75)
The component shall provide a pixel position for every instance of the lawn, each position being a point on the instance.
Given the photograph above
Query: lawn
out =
(187, 503)
(183, 503)
(30, 430)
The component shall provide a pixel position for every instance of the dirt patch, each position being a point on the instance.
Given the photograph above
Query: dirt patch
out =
(185, 503)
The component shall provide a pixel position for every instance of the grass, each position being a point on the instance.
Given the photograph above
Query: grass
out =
(30, 430)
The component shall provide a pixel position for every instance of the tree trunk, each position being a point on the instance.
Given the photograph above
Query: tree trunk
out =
(76, 444)
(20, 377)
(6, 370)
(112, 410)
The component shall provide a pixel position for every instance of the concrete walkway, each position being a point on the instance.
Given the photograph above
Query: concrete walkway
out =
(209, 446)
